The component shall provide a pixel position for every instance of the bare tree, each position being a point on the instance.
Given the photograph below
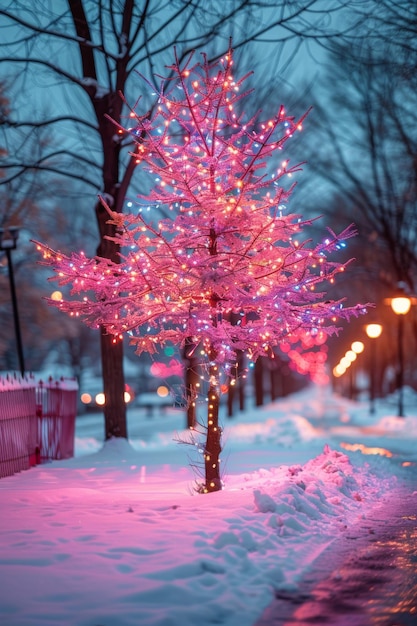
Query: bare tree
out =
(81, 54)
(391, 27)
(366, 153)
(24, 203)
(370, 152)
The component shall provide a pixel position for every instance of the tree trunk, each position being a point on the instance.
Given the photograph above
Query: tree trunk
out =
(274, 374)
(259, 381)
(236, 374)
(241, 379)
(191, 378)
(109, 103)
(213, 445)
(231, 392)
(190, 381)
(111, 347)
(114, 386)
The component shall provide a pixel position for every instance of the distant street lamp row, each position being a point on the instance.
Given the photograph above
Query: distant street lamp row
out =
(400, 305)
(350, 356)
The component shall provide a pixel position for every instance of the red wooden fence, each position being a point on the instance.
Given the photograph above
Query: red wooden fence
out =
(37, 421)
(56, 408)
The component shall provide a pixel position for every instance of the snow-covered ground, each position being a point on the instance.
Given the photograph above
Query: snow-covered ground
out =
(117, 536)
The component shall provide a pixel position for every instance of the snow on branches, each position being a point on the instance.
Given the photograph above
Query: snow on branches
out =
(228, 247)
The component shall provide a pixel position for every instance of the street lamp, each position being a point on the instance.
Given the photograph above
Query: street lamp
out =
(373, 331)
(356, 348)
(8, 242)
(400, 304)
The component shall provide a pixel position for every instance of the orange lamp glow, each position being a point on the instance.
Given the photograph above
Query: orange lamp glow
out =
(401, 305)
(357, 346)
(373, 330)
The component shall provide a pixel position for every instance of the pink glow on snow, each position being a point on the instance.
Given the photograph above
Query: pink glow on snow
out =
(117, 537)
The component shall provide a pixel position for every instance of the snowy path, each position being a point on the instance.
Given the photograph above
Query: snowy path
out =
(369, 577)
(117, 537)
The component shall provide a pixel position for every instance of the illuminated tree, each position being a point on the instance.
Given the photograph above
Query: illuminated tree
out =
(82, 53)
(231, 246)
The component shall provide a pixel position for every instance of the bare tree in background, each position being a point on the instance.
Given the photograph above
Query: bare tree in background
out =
(25, 203)
(20, 204)
(366, 154)
(391, 27)
(80, 54)
(368, 149)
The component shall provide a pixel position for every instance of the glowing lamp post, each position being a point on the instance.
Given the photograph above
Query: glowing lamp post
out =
(400, 305)
(8, 242)
(373, 331)
(356, 348)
